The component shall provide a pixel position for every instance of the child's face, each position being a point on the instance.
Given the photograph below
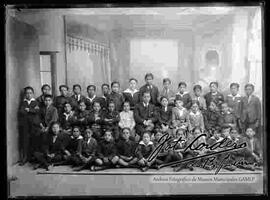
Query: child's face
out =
(149, 80)
(77, 90)
(146, 98)
(197, 92)
(166, 84)
(179, 134)
(248, 90)
(111, 107)
(63, 91)
(197, 132)
(46, 90)
(213, 88)
(91, 91)
(76, 132)
(158, 135)
(96, 107)
(55, 129)
(88, 133)
(105, 90)
(250, 133)
(29, 94)
(115, 87)
(146, 138)
(179, 104)
(132, 84)
(224, 108)
(126, 107)
(182, 89)
(212, 106)
(67, 108)
(48, 101)
(164, 102)
(234, 90)
(217, 134)
(226, 132)
(82, 106)
(108, 136)
(126, 134)
(194, 107)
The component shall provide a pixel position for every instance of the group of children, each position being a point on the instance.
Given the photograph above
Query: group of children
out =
(122, 129)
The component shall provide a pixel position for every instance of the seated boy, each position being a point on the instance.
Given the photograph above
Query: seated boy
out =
(107, 152)
(164, 115)
(183, 95)
(214, 95)
(87, 151)
(195, 117)
(111, 120)
(145, 115)
(197, 96)
(67, 118)
(126, 149)
(144, 150)
(211, 117)
(179, 116)
(81, 116)
(48, 113)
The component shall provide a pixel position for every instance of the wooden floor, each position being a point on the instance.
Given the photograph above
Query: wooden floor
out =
(62, 181)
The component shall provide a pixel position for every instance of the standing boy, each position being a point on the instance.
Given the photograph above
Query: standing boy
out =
(214, 95)
(167, 91)
(63, 98)
(183, 95)
(149, 87)
(116, 96)
(45, 89)
(77, 96)
(131, 94)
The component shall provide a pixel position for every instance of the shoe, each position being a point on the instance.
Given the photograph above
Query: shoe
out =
(190, 168)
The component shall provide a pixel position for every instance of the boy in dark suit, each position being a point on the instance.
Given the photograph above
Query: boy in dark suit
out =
(154, 93)
(164, 115)
(116, 96)
(226, 118)
(48, 114)
(131, 94)
(96, 120)
(111, 120)
(183, 95)
(214, 95)
(211, 117)
(145, 115)
(60, 100)
(81, 116)
(126, 149)
(77, 96)
(91, 98)
(251, 109)
(167, 91)
(197, 89)
(45, 89)
(105, 88)
(67, 119)
(29, 126)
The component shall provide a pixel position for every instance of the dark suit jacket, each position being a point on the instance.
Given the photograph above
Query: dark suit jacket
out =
(164, 117)
(186, 98)
(32, 116)
(75, 101)
(89, 104)
(218, 99)
(153, 92)
(133, 100)
(256, 145)
(118, 99)
(142, 113)
(251, 111)
(57, 147)
(60, 101)
(48, 115)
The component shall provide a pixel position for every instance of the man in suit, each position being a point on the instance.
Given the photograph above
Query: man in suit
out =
(145, 115)
(250, 109)
(151, 88)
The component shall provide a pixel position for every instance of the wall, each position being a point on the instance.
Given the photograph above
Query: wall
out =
(22, 47)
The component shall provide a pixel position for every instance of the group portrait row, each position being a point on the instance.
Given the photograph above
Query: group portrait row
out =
(123, 129)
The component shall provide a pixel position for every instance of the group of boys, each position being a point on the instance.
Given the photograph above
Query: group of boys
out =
(124, 128)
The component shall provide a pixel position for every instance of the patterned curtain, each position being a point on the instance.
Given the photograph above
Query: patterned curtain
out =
(87, 62)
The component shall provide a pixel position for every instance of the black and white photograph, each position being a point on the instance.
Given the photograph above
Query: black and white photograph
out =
(154, 100)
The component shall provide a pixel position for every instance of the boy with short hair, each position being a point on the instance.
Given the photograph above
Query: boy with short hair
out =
(145, 115)
(48, 113)
(81, 116)
(111, 120)
(91, 98)
(211, 117)
(214, 95)
(63, 98)
(164, 115)
(179, 116)
(77, 96)
(183, 95)
(149, 87)
(29, 125)
(46, 90)
(126, 149)
(195, 117)
(167, 91)
(105, 88)
(226, 118)
(131, 94)
(116, 96)
(67, 119)
(96, 120)
(197, 89)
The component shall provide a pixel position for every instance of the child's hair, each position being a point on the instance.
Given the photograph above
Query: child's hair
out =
(195, 102)
(105, 84)
(94, 102)
(148, 75)
(45, 85)
(234, 84)
(52, 124)
(87, 127)
(215, 83)
(163, 97)
(196, 128)
(126, 128)
(197, 87)
(48, 96)
(28, 88)
(181, 129)
(133, 79)
(77, 85)
(223, 128)
(93, 86)
(249, 85)
(178, 99)
(182, 83)
(79, 128)
(147, 132)
(63, 86)
(115, 82)
(146, 92)
(69, 104)
(82, 101)
(167, 80)
(111, 102)
(109, 130)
